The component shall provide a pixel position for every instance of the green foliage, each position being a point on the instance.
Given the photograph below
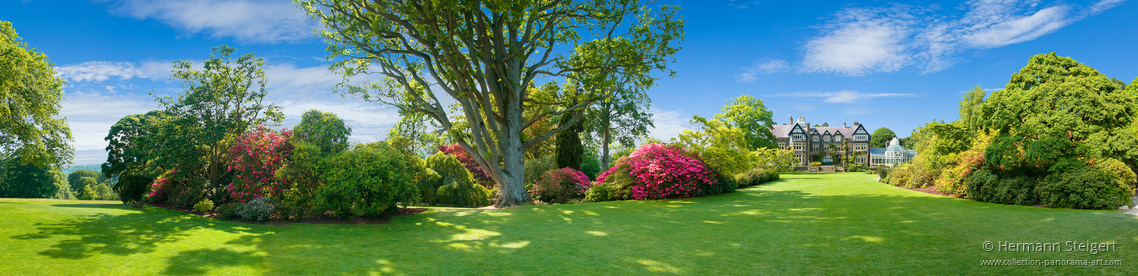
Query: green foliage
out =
(1056, 112)
(750, 116)
(880, 137)
(1106, 185)
(464, 194)
(755, 176)
(203, 206)
(774, 159)
(619, 181)
(73, 178)
(621, 36)
(718, 144)
(227, 211)
(592, 164)
(368, 180)
(724, 183)
(570, 151)
(416, 128)
(535, 167)
(599, 192)
(450, 183)
(324, 130)
(30, 93)
(132, 187)
(132, 143)
(815, 163)
(985, 186)
(969, 107)
(28, 180)
(221, 100)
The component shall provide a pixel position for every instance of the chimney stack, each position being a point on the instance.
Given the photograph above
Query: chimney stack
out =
(844, 124)
(791, 120)
(856, 124)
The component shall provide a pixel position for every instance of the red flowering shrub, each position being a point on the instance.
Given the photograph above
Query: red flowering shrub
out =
(480, 175)
(661, 171)
(257, 155)
(559, 185)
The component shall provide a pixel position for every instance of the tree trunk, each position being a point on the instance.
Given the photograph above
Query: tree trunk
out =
(511, 182)
(606, 140)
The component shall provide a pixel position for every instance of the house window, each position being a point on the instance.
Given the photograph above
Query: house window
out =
(815, 138)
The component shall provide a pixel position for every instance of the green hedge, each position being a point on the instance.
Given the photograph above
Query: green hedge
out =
(368, 180)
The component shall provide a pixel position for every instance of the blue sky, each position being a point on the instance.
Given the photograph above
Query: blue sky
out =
(883, 64)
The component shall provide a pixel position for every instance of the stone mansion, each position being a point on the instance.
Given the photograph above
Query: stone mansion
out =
(849, 142)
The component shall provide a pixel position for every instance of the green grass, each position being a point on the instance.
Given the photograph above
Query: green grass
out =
(803, 224)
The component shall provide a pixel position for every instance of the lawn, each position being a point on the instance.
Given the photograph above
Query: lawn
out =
(802, 224)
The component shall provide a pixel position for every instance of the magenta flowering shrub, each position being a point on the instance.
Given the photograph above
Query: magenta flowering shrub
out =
(257, 155)
(656, 171)
(559, 185)
(161, 187)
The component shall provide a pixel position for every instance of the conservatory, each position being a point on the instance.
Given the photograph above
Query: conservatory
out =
(892, 155)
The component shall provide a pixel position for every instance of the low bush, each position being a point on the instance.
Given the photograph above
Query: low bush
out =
(132, 187)
(752, 177)
(815, 163)
(899, 176)
(559, 185)
(226, 211)
(465, 194)
(985, 186)
(429, 187)
(258, 209)
(368, 180)
(1105, 185)
(724, 183)
(203, 206)
(618, 180)
(599, 192)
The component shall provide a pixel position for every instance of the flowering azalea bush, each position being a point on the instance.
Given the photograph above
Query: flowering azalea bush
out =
(160, 187)
(559, 185)
(257, 155)
(658, 170)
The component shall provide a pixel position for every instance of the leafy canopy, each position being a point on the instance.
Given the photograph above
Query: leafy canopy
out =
(30, 93)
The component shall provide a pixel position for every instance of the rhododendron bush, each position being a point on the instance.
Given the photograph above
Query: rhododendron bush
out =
(480, 175)
(658, 170)
(257, 155)
(559, 185)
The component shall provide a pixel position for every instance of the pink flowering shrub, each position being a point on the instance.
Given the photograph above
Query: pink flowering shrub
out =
(658, 170)
(559, 185)
(257, 155)
(162, 186)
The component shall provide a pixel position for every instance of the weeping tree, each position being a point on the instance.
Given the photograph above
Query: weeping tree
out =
(484, 56)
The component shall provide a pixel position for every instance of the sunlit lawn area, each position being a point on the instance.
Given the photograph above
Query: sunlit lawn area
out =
(802, 224)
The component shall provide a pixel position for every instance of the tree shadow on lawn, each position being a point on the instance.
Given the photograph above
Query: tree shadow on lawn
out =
(121, 235)
(752, 231)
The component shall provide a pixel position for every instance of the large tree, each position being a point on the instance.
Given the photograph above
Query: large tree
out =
(30, 92)
(752, 117)
(485, 56)
(880, 137)
(132, 143)
(28, 180)
(220, 101)
(1056, 114)
(969, 106)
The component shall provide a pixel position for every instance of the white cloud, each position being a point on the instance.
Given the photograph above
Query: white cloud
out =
(99, 71)
(246, 20)
(844, 96)
(768, 66)
(668, 123)
(992, 89)
(91, 115)
(802, 107)
(1103, 6)
(862, 41)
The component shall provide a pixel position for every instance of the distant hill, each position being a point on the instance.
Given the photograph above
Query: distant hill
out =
(92, 167)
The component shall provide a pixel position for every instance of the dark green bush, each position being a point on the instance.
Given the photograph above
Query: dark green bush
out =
(772, 175)
(368, 180)
(618, 180)
(132, 187)
(258, 209)
(725, 183)
(599, 192)
(985, 186)
(468, 194)
(1106, 185)
(453, 184)
(226, 211)
(753, 177)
